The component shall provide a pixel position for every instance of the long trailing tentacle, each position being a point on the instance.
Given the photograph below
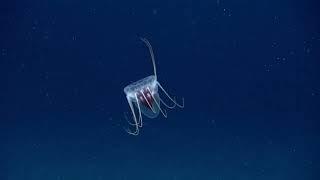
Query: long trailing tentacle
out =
(172, 99)
(151, 54)
(164, 112)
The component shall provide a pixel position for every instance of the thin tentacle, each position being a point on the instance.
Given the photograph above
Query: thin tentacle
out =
(151, 54)
(172, 99)
(165, 104)
(139, 122)
(136, 123)
(140, 115)
(164, 112)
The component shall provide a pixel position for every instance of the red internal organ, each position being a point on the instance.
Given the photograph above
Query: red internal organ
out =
(145, 98)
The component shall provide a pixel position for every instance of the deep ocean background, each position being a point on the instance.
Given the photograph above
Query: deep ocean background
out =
(248, 70)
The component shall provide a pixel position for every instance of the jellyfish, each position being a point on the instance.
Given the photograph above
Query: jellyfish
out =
(144, 96)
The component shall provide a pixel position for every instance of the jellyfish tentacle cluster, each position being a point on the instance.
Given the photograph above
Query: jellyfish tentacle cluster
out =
(144, 95)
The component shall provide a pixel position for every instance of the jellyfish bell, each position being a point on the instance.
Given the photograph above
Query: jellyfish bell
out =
(143, 95)
(147, 96)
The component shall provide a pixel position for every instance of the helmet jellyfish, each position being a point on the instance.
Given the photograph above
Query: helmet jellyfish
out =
(144, 95)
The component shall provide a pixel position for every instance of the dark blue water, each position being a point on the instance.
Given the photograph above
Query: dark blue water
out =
(248, 71)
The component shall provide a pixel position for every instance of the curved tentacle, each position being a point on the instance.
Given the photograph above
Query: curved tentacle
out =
(151, 54)
(172, 99)
(165, 104)
(137, 123)
(163, 111)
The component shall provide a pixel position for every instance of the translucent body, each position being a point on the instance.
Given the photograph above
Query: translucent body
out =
(141, 89)
(150, 81)
(143, 94)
